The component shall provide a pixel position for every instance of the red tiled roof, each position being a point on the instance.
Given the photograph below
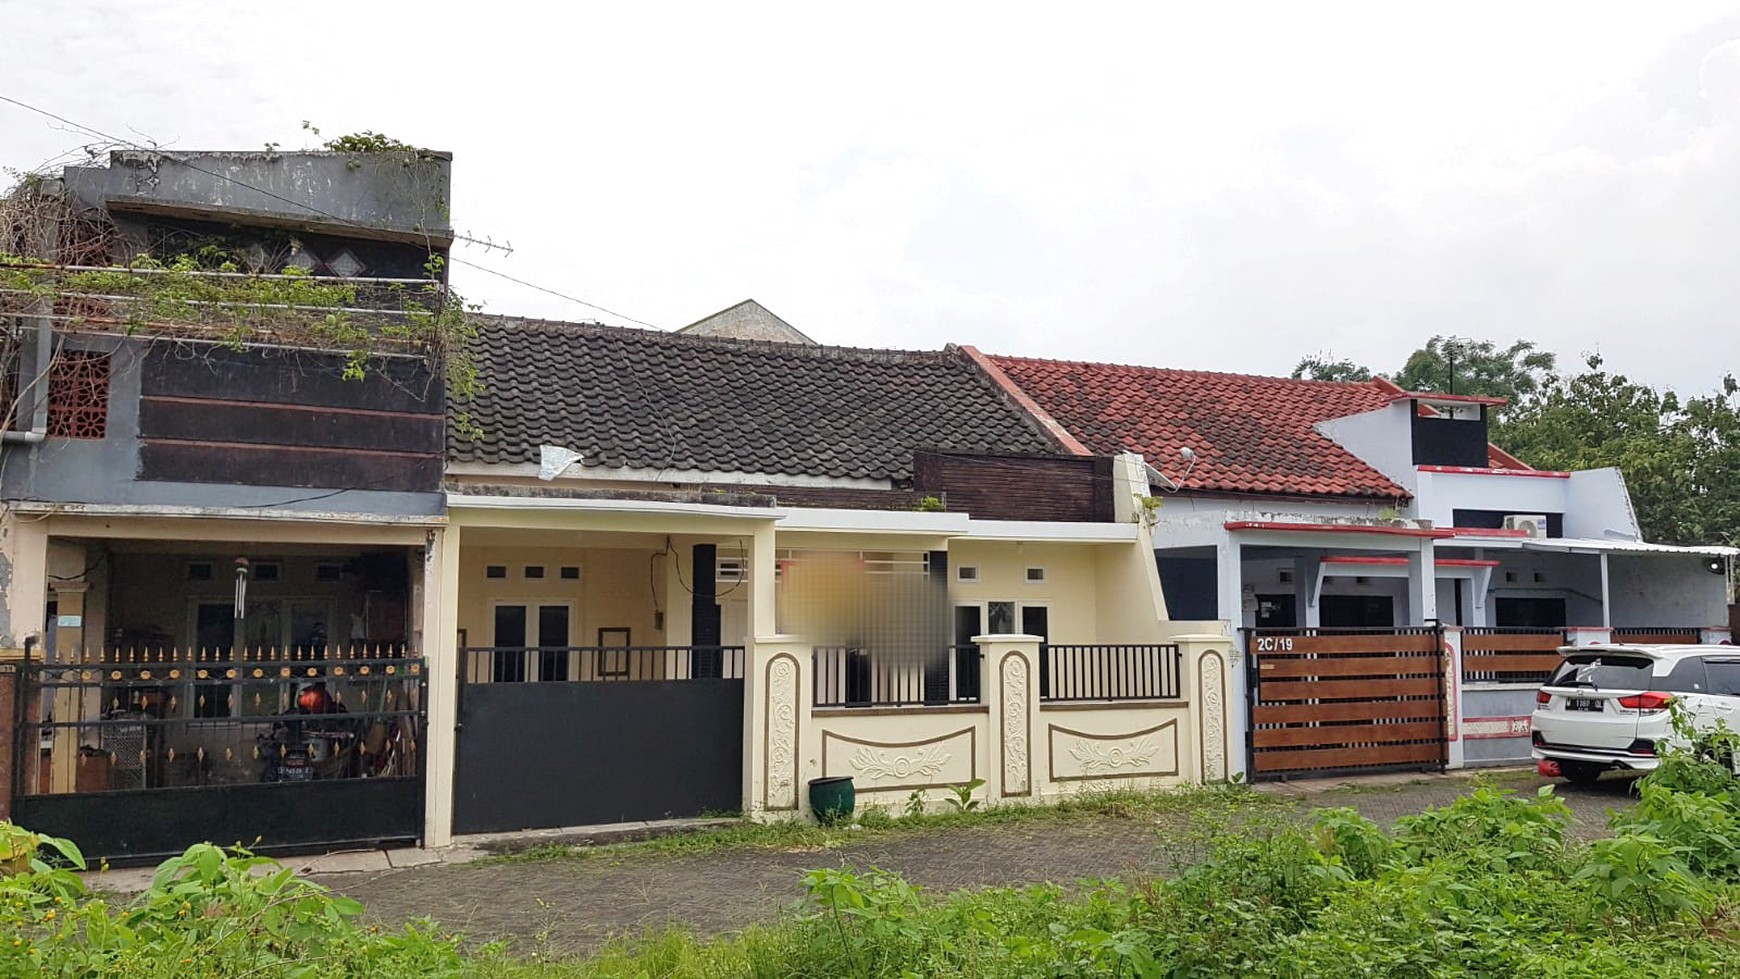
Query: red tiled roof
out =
(1250, 434)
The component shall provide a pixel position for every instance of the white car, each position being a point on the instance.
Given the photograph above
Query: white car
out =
(1607, 706)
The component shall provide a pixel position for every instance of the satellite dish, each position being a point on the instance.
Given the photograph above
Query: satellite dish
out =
(554, 460)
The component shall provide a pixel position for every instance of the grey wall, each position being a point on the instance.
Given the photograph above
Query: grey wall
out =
(1666, 590)
(1509, 701)
(372, 189)
(104, 471)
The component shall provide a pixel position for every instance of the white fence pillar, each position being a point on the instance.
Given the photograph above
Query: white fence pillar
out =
(1210, 687)
(777, 700)
(1011, 689)
(441, 667)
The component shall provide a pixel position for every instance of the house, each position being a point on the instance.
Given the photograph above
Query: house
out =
(1380, 527)
(222, 485)
(685, 573)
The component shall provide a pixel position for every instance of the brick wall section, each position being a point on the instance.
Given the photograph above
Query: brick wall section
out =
(1006, 487)
(840, 497)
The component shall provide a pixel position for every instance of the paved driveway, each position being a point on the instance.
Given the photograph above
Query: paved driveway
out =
(561, 906)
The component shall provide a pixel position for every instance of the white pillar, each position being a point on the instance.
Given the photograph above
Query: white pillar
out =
(763, 598)
(777, 727)
(1229, 557)
(442, 664)
(1422, 583)
(1606, 595)
(1011, 689)
(1453, 696)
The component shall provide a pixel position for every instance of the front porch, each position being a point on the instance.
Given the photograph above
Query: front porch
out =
(220, 679)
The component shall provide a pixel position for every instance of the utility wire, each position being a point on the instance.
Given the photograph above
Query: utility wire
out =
(88, 130)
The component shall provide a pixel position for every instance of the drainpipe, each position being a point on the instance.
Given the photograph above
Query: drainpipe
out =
(39, 413)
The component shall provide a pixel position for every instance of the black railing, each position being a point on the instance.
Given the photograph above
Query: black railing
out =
(601, 664)
(1110, 672)
(1658, 634)
(852, 676)
(182, 720)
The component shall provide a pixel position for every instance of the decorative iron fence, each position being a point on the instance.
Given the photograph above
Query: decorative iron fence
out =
(601, 664)
(171, 719)
(1110, 672)
(1510, 654)
(851, 676)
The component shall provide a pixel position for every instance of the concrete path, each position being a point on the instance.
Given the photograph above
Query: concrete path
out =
(561, 906)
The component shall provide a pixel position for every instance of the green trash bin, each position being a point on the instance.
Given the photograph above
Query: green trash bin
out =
(833, 799)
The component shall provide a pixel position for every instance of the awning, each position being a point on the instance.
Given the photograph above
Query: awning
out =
(1592, 545)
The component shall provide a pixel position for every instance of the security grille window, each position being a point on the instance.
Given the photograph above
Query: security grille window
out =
(328, 572)
(267, 571)
(495, 571)
(1035, 576)
(534, 571)
(570, 573)
(199, 571)
(78, 395)
(967, 572)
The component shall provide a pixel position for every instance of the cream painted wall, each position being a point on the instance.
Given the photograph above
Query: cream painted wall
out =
(615, 590)
(1069, 593)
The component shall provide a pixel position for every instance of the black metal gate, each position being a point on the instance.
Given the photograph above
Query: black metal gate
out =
(276, 750)
(1332, 701)
(623, 734)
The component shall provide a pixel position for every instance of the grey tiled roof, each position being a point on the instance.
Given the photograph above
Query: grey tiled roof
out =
(650, 400)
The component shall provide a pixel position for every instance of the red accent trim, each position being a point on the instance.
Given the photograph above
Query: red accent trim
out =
(1489, 471)
(1518, 726)
(1324, 528)
(1485, 532)
(1004, 382)
(1448, 562)
(1467, 399)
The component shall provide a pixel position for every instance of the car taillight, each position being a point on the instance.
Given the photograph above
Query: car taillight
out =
(1543, 697)
(1654, 700)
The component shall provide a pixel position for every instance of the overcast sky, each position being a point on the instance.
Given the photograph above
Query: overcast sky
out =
(1218, 186)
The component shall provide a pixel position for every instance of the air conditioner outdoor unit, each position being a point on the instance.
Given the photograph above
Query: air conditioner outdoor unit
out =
(1533, 524)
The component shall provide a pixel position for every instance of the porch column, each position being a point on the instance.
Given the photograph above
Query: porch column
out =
(1011, 690)
(1606, 596)
(778, 695)
(763, 598)
(441, 671)
(1308, 579)
(26, 584)
(1229, 556)
(1422, 584)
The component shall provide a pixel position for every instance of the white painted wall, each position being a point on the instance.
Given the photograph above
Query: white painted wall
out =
(1382, 439)
(1665, 590)
(1598, 505)
(1441, 494)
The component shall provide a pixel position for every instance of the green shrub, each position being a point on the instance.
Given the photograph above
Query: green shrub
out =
(209, 912)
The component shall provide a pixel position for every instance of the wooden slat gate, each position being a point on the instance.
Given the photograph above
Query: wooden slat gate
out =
(1332, 701)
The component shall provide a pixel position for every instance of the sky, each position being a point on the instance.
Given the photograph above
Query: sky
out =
(1213, 186)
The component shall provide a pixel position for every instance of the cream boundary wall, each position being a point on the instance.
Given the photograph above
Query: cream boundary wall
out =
(1025, 751)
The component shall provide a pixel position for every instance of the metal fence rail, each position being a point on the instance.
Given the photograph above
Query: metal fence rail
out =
(852, 676)
(601, 664)
(1110, 672)
(1672, 635)
(180, 719)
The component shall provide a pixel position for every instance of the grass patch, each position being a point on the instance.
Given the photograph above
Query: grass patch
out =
(877, 823)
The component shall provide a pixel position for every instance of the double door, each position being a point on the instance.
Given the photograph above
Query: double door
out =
(533, 642)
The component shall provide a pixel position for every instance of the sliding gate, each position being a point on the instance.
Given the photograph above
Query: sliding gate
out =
(559, 736)
(1333, 701)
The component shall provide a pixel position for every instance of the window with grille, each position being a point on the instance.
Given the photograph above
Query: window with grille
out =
(78, 395)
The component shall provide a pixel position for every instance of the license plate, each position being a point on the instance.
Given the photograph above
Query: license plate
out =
(1583, 703)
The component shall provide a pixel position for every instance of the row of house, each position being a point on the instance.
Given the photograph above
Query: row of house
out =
(249, 594)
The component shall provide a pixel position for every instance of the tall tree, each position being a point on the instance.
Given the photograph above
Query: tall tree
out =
(1454, 365)
(1323, 367)
(1596, 418)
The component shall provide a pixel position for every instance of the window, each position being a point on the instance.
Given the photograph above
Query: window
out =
(728, 569)
(78, 395)
(267, 571)
(1724, 676)
(1036, 576)
(1687, 677)
(495, 571)
(570, 573)
(534, 571)
(328, 572)
(967, 572)
(199, 571)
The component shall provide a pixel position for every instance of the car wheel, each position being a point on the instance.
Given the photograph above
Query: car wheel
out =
(1581, 772)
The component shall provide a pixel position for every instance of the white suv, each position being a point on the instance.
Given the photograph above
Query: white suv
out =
(1607, 706)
